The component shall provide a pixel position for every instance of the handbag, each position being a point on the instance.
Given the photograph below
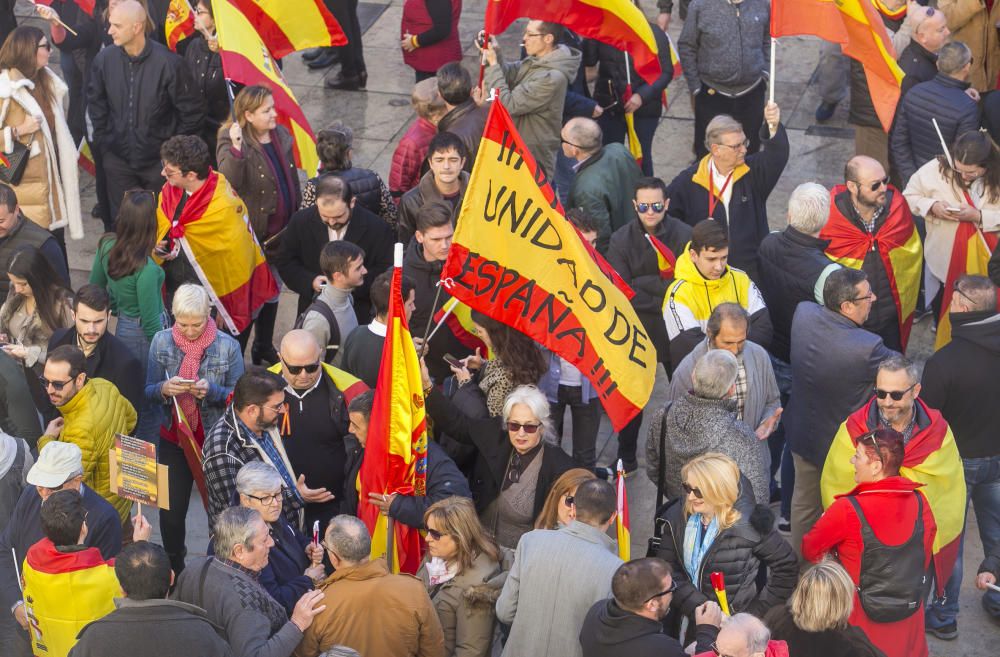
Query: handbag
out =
(12, 170)
(654, 541)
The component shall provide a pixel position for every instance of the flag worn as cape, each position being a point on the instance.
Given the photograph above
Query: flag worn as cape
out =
(898, 246)
(395, 459)
(348, 384)
(286, 26)
(179, 23)
(214, 232)
(622, 522)
(516, 259)
(930, 458)
(665, 258)
(970, 254)
(458, 318)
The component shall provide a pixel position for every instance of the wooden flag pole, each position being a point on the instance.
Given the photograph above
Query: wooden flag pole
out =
(774, 47)
(58, 20)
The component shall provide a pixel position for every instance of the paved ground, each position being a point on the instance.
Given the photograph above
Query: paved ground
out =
(381, 115)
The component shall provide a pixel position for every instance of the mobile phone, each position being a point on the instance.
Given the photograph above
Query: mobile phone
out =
(481, 39)
(950, 208)
(187, 381)
(451, 360)
(607, 107)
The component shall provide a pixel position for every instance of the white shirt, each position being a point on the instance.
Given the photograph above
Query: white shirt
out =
(718, 180)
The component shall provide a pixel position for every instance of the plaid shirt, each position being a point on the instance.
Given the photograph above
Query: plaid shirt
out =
(740, 393)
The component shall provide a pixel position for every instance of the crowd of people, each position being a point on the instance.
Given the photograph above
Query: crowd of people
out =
(812, 481)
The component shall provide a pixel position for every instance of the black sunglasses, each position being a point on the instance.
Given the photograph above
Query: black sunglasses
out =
(689, 489)
(884, 182)
(569, 500)
(514, 427)
(297, 369)
(673, 587)
(895, 394)
(435, 534)
(56, 385)
(643, 208)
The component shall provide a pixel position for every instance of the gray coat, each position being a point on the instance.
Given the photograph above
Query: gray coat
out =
(724, 45)
(834, 362)
(695, 426)
(556, 578)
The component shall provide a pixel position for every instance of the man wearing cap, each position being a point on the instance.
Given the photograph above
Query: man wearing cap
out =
(59, 467)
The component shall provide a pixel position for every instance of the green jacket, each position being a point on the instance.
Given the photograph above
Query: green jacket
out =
(604, 186)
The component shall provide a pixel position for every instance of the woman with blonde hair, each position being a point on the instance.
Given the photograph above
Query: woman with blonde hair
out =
(559, 510)
(716, 527)
(464, 573)
(815, 620)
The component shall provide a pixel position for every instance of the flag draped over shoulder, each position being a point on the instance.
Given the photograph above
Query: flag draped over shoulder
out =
(622, 522)
(857, 27)
(245, 59)
(970, 254)
(395, 458)
(286, 26)
(516, 259)
(931, 458)
(179, 23)
(898, 245)
(616, 22)
(458, 318)
(665, 259)
(214, 232)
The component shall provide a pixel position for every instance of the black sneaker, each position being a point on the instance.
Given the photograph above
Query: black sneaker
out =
(825, 111)
(947, 632)
(784, 527)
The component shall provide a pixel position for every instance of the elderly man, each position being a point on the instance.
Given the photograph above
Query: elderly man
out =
(834, 361)
(59, 467)
(605, 177)
(227, 588)
(709, 187)
(18, 231)
(703, 419)
(919, 59)
(871, 228)
(544, 599)
(744, 635)
(367, 607)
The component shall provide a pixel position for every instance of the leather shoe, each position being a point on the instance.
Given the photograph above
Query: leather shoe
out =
(325, 60)
(346, 83)
(312, 53)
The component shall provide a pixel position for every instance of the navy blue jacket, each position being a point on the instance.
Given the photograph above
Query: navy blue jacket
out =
(444, 479)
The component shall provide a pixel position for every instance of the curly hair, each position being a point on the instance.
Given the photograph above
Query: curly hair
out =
(188, 153)
(515, 350)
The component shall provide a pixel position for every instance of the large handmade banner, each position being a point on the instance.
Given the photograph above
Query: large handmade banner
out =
(518, 260)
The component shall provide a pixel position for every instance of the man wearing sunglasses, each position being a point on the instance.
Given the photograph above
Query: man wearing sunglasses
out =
(870, 223)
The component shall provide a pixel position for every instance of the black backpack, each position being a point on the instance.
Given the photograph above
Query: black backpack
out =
(893, 580)
(327, 313)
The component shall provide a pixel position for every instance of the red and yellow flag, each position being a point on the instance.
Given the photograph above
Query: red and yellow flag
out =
(86, 5)
(665, 258)
(631, 138)
(516, 259)
(179, 23)
(858, 28)
(970, 254)
(930, 458)
(622, 523)
(286, 26)
(215, 234)
(190, 442)
(458, 318)
(3, 159)
(83, 157)
(396, 450)
(245, 59)
(616, 22)
(898, 245)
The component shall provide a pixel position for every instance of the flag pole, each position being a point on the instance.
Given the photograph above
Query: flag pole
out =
(774, 47)
(430, 320)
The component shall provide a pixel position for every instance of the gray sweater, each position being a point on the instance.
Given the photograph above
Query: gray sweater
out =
(726, 44)
(342, 304)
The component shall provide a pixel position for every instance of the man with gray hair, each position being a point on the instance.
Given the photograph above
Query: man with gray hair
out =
(227, 587)
(703, 419)
(605, 177)
(914, 140)
(367, 607)
(744, 635)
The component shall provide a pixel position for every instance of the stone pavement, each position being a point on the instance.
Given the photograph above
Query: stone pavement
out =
(382, 114)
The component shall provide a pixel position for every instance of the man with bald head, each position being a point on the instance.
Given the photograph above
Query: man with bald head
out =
(871, 228)
(605, 177)
(140, 94)
(315, 422)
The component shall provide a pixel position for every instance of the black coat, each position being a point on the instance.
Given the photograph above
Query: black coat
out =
(919, 65)
(365, 186)
(297, 258)
(849, 641)
(611, 77)
(352, 466)
(738, 553)
(610, 631)
(112, 361)
(990, 109)
(493, 452)
(443, 480)
(210, 83)
(467, 122)
(136, 104)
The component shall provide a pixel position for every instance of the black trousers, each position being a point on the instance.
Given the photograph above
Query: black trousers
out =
(614, 131)
(352, 59)
(120, 177)
(748, 109)
(586, 422)
(173, 523)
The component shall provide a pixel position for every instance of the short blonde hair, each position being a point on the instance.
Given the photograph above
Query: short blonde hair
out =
(426, 99)
(823, 599)
(718, 478)
(191, 300)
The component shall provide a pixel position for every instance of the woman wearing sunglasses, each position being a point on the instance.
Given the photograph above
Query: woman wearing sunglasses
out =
(514, 466)
(191, 370)
(898, 515)
(717, 527)
(463, 571)
(559, 509)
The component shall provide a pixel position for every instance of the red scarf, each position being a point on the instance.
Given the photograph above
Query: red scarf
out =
(194, 351)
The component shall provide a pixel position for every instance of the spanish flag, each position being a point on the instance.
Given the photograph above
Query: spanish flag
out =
(675, 62)
(3, 160)
(858, 28)
(86, 5)
(897, 243)
(286, 26)
(190, 441)
(348, 384)
(517, 259)
(622, 523)
(395, 458)
(930, 458)
(84, 157)
(970, 254)
(458, 317)
(616, 22)
(665, 258)
(214, 232)
(245, 59)
(632, 139)
(179, 23)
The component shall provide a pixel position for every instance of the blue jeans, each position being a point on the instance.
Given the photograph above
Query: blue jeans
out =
(982, 479)
(129, 331)
(563, 179)
(781, 455)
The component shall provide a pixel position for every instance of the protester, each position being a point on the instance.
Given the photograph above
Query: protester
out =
(629, 624)
(462, 117)
(205, 63)
(18, 416)
(336, 216)
(191, 371)
(815, 620)
(360, 413)
(430, 35)
(972, 24)
(560, 509)
(545, 605)
(445, 182)
(367, 607)
(18, 232)
(918, 61)
(463, 573)
(228, 588)
(743, 634)
(15, 462)
(144, 616)
(33, 116)
(533, 89)
(353, 74)
(893, 619)
(564, 386)
(331, 317)
(409, 158)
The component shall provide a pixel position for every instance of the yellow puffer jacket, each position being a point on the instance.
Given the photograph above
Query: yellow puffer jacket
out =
(92, 418)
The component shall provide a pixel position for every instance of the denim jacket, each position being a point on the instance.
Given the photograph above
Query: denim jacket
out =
(549, 383)
(221, 366)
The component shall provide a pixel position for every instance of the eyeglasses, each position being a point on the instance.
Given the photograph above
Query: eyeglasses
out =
(871, 435)
(741, 146)
(47, 46)
(280, 408)
(867, 297)
(895, 394)
(268, 500)
(532, 34)
(689, 489)
(643, 208)
(715, 649)
(514, 427)
(435, 534)
(569, 500)
(295, 370)
(884, 182)
(55, 385)
(673, 587)
(958, 290)
(570, 143)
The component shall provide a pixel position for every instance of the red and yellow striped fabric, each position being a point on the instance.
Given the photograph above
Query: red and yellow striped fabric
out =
(348, 384)
(179, 23)
(970, 254)
(286, 26)
(622, 522)
(458, 318)
(84, 158)
(665, 258)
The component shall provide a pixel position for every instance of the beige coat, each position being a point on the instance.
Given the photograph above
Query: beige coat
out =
(49, 193)
(970, 24)
(927, 186)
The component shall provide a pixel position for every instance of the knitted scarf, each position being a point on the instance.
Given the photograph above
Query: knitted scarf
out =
(194, 351)
(697, 540)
